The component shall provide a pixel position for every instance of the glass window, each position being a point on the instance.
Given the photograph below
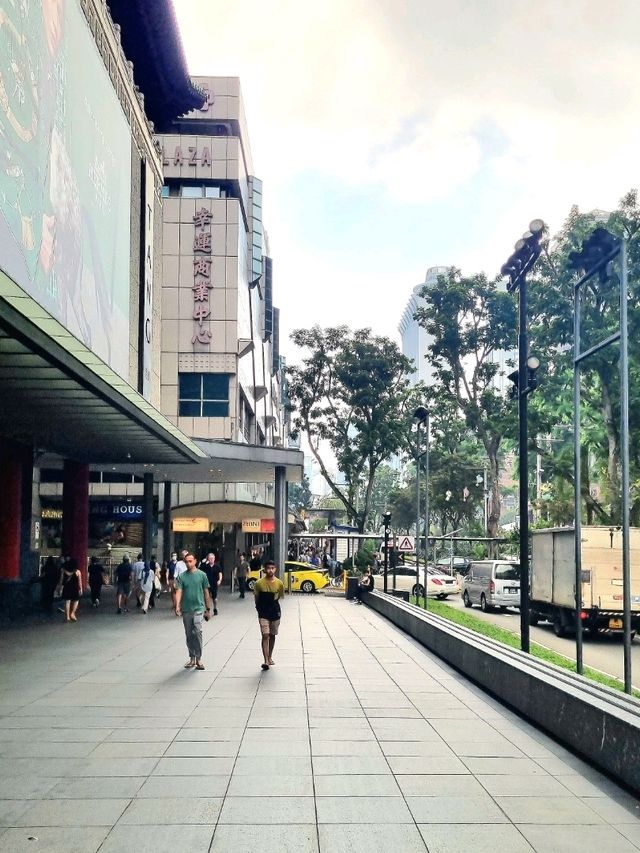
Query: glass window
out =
(190, 385)
(215, 410)
(212, 192)
(165, 191)
(190, 408)
(192, 192)
(507, 572)
(203, 395)
(215, 386)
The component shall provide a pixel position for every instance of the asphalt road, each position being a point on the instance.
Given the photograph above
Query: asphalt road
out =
(604, 652)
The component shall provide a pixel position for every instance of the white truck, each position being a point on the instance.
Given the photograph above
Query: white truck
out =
(553, 572)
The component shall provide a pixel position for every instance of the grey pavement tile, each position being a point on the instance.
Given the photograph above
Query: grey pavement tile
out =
(295, 748)
(172, 810)
(153, 734)
(551, 810)
(392, 713)
(560, 767)
(46, 749)
(452, 809)
(582, 787)
(86, 839)
(322, 716)
(626, 810)
(73, 813)
(373, 784)
(124, 838)
(403, 730)
(362, 809)
(112, 767)
(576, 839)
(630, 831)
(129, 749)
(489, 748)
(26, 787)
(212, 733)
(338, 732)
(292, 838)
(492, 765)
(285, 734)
(535, 785)
(96, 787)
(184, 786)
(370, 838)
(426, 764)
(416, 748)
(324, 765)
(12, 810)
(283, 810)
(193, 766)
(202, 749)
(248, 765)
(346, 747)
(479, 838)
(12, 767)
(276, 786)
(440, 785)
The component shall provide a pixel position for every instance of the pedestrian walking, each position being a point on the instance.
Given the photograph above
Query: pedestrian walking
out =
(71, 589)
(193, 603)
(96, 579)
(147, 580)
(268, 591)
(138, 568)
(171, 577)
(49, 582)
(242, 569)
(213, 571)
(123, 583)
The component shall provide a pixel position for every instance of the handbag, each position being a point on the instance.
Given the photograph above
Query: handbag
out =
(156, 583)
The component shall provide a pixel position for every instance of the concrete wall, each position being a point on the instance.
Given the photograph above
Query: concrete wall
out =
(600, 724)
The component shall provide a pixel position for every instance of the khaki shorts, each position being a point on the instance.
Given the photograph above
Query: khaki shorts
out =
(267, 627)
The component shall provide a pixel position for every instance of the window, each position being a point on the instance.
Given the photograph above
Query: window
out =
(192, 192)
(203, 395)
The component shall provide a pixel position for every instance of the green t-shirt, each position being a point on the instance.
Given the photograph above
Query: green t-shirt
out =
(193, 585)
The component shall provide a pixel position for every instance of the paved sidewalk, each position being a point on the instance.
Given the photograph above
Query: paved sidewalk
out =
(357, 740)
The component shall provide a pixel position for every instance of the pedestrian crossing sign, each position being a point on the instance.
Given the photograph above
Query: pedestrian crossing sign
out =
(406, 543)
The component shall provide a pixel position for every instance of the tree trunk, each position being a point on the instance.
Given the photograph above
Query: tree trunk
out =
(613, 455)
(493, 516)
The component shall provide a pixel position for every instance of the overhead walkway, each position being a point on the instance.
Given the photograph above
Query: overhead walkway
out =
(357, 740)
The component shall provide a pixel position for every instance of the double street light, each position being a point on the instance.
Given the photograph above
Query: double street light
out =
(421, 416)
(527, 251)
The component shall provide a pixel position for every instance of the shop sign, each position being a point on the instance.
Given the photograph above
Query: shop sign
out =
(251, 525)
(51, 513)
(267, 525)
(190, 525)
(116, 509)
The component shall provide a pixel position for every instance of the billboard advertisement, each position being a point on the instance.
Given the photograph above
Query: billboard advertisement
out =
(65, 174)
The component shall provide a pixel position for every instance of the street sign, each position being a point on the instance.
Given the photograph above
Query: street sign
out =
(406, 543)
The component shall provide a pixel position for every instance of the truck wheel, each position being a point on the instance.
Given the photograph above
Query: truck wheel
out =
(483, 604)
(558, 627)
(466, 600)
(533, 618)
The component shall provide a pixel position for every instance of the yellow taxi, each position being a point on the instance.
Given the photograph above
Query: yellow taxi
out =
(304, 577)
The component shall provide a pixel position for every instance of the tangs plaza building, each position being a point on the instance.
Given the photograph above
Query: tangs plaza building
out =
(141, 383)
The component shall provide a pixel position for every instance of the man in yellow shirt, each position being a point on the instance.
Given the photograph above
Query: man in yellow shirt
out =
(268, 591)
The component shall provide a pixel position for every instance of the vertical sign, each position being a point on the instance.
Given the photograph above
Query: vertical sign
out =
(146, 330)
(201, 275)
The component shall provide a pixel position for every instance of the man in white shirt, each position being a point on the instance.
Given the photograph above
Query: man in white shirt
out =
(138, 569)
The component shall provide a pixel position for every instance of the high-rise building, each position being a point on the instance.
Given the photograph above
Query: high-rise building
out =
(415, 340)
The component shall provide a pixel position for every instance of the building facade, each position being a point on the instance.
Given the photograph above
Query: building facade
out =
(415, 340)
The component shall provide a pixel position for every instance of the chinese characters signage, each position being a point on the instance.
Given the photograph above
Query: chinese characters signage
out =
(201, 276)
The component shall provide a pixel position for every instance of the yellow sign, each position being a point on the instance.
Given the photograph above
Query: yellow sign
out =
(190, 525)
(51, 513)
(251, 525)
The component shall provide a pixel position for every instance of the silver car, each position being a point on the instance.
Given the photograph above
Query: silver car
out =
(492, 583)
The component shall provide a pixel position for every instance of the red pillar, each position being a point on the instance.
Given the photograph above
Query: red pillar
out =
(75, 513)
(11, 461)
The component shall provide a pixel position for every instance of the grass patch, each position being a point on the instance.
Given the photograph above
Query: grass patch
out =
(508, 638)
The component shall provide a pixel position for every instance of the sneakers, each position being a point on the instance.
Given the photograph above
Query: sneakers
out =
(119, 611)
(215, 612)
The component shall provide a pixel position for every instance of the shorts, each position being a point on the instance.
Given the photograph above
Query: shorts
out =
(268, 627)
(123, 589)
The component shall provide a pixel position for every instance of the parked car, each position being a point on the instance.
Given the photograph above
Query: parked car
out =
(304, 578)
(438, 585)
(453, 565)
(492, 583)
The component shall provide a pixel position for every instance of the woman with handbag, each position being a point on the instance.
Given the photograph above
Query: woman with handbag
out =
(71, 589)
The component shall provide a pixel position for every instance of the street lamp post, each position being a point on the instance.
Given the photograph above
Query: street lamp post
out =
(527, 251)
(421, 416)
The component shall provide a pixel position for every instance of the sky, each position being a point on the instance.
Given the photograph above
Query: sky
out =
(396, 135)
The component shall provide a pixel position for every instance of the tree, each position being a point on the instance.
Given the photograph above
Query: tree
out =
(471, 321)
(385, 481)
(299, 495)
(350, 397)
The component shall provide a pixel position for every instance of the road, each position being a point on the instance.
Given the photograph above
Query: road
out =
(604, 652)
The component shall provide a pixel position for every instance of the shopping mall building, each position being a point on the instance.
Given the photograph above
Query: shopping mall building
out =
(142, 386)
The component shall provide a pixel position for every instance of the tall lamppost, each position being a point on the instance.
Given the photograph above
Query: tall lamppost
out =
(386, 520)
(421, 416)
(527, 251)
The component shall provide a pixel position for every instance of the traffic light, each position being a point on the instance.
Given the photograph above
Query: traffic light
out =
(533, 363)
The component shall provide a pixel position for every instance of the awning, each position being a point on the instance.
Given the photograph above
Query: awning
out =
(61, 398)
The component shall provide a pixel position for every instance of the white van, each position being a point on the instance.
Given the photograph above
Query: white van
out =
(492, 583)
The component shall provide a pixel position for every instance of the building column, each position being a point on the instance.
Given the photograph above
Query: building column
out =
(147, 501)
(75, 513)
(167, 550)
(281, 519)
(11, 472)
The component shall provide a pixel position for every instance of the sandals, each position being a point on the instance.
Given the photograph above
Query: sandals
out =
(199, 666)
(190, 664)
(265, 666)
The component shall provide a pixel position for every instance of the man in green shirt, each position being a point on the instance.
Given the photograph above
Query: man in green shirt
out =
(268, 591)
(192, 593)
